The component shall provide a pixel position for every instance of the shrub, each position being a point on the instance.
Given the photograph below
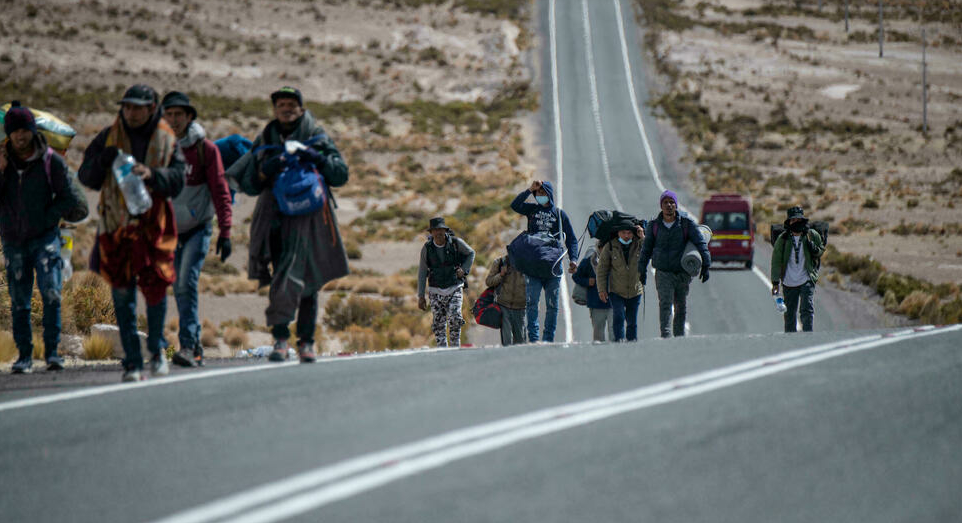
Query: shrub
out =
(236, 338)
(363, 339)
(912, 305)
(87, 299)
(213, 265)
(97, 347)
(900, 284)
(341, 313)
(8, 349)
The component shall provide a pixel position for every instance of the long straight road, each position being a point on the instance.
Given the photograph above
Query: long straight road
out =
(608, 155)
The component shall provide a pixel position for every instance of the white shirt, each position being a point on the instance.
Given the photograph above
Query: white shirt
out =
(795, 274)
(670, 224)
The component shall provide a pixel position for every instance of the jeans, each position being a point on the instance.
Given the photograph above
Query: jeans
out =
(600, 318)
(192, 248)
(512, 326)
(800, 300)
(625, 310)
(672, 290)
(533, 287)
(306, 322)
(125, 305)
(40, 255)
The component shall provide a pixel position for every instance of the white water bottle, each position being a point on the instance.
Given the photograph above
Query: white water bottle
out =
(132, 186)
(780, 304)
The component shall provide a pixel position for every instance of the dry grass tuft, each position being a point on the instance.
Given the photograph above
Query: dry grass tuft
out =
(97, 347)
(236, 338)
(88, 301)
(8, 348)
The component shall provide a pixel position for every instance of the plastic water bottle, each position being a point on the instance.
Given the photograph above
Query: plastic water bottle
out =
(66, 252)
(132, 186)
(780, 304)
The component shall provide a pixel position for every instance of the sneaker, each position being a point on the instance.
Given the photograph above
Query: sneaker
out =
(22, 366)
(280, 351)
(54, 362)
(305, 352)
(131, 375)
(158, 365)
(183, 357)
(199, 355)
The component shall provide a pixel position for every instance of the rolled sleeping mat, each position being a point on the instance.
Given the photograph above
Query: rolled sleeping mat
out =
(691, 258)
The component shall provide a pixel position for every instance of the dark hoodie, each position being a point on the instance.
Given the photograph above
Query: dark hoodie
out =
(543, 218)
(31, 203)
(165, 181)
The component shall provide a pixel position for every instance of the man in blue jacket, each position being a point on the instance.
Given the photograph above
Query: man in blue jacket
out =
(543, 216)
(665, 240)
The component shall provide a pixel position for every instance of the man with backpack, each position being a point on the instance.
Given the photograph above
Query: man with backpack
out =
(205, 191)
(34, 196)
(510, 296)
(664, 245)
(544, 217)
(137, 251)
(296, 251)
(442, 271)
(795, 264)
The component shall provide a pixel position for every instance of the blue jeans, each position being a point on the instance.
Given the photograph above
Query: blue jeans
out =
(125, 305)
(40, 255)
(192, 248)
(625, 310)
(533, 287)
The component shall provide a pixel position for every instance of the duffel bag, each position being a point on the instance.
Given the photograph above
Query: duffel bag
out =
(537, 255)
(485, 311)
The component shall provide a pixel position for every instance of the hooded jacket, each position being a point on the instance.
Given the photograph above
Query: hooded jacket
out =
(665, 248)
(510, 287)
(616, 275)
(205, 190)
(544, 218)
(586, 271)
(30, 205)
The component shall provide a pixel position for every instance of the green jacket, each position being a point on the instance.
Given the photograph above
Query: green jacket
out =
(813, 251)
(617, 275)
(510, 287)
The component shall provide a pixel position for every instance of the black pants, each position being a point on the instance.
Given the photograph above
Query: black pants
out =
(306, 322)
(805, 294)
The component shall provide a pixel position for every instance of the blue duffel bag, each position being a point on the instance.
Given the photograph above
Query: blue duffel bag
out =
(537, 254)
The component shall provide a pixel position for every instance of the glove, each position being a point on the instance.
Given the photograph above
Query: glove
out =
(107, 156)
(312, 155)
(272, 166)
(704, 273)
(223, 248)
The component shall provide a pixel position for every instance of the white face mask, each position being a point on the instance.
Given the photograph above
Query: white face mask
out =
(541, 199)
(624, 241)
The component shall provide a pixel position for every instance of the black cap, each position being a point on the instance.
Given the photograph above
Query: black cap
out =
(178, 99)
(287, 92)
(140, 94)
(438, 223)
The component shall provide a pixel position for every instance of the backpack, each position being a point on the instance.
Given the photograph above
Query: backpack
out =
(299, 189)
(485, 311)
(601, 223)
(232, 148)
(79, 211)
(820, 227)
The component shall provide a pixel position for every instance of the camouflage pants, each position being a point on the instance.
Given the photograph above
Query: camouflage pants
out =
(447, 318)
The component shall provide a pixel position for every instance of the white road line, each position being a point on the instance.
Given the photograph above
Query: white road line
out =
(325, 485)
(559, 161)
(170, 380)
(595, 105)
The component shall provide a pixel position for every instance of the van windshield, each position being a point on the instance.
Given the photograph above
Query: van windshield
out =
(726, 221)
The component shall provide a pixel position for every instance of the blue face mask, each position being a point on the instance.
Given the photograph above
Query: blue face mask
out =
(541, 199)
(624, 241)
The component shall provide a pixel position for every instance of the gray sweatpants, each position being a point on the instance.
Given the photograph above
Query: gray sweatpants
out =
(800, 300)
(512, 326)
(672, 290)
(600, 318)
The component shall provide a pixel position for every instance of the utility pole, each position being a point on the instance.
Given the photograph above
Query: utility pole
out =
(881, 34)
(925, 90)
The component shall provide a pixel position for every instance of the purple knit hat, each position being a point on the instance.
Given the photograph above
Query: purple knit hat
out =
(17, 118)
(670, 195)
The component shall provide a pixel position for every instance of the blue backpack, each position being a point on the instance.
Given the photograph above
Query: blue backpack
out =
(232, 148)
(299, 189)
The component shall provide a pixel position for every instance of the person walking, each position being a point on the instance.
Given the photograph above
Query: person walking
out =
(34, 196)
(544, 216)
(664, 245)
(205, 191)
(599, 312)
(619, 279)
(795, 264)
(305, 251)
(510, 295)
(137, 251)
(442, 271)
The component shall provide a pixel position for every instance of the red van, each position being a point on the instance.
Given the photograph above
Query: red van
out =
(733, 230)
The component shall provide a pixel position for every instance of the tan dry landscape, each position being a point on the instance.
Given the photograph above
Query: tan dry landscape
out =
(776, 100)
(426, 100)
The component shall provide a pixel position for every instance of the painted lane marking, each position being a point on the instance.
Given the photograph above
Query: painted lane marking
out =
(559, 161)
(169, 380)
(322, 486)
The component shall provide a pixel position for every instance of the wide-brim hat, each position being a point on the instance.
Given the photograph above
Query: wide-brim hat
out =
(140, 94)
(178, 99)
(438, 223)
(795, 212)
